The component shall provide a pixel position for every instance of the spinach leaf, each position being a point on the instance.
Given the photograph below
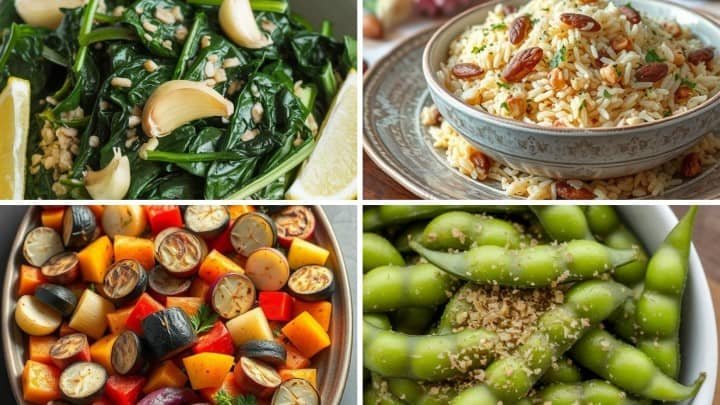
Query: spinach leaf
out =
(219, 53)
(156, 25)
(21, 56)
(313, 50)
(205, 141)
(143, 82)
(8, 15)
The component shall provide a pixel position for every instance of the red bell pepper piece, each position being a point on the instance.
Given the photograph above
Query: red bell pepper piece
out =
(277, 305)
(222, 243)
(124, 390)
(144, 306)
(217, 340)
(163, 216)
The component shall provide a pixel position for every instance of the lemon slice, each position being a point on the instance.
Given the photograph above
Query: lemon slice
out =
(14, 121)
(331, 170)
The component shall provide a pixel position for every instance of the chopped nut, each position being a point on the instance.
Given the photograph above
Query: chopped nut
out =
(609, 74)
(691, 165)
(516, 106)
(147, 37)
(209, 69)
(177, 13)
(257, 112)
(150, 66)
(220, 75)
(134, 121)
(231, 62)
(621, 43)
(205, 41)
(94, 141)
(181, 33)
(167, 44)
(556, 79)
(118, 11)
(682, 94)
(678, 58)
(567, 192)
(249, 135)
(481, 161)
(149, 27)
(165, 15)
(121, 82)
(672, 28)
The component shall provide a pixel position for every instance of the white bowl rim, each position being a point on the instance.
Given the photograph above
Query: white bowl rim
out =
(457, 103)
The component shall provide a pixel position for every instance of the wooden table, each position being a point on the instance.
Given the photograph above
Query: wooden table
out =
(379, 186)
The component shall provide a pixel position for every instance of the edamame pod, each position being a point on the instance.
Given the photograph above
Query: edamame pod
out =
(658, 310)
(417, 393)
(388, 288)
(457, 306)
(378, 251)
(371, 219)
(562, 371)
(413, 231)
(461, 230)
(563, 223)
(431, 357)
(403, 214)
(478, 395)
(413, 321)
(607, 226)
(379, 320)
(593, 392)
(629, 368)
(586, 304)
(377, 393)
(537, 266)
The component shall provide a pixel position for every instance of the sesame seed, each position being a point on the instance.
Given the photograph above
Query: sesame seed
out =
(121, 82)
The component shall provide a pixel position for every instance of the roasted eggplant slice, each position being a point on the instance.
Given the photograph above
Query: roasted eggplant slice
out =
(79, 226)
(252, 231)
(256, 377)
(296, 391)
(127, 354)
(57, 297)
(83, 382)
(164, 283)
(70, 349)
(63, 268)
(168, 332)
(179, 251)
(269, 351)
(125, 281)
(41, 244)
(208, 221)
(268, 269)
(295, 221)
(312, 283)
(129, 220)
(232, 295)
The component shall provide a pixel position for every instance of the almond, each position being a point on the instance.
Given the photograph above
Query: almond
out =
(522, 64)
(580, 21)
(519, 29)
(652, 72)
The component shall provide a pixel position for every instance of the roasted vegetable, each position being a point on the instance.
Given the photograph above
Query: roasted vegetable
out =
(208, 221)
(70, 349)
(302, 253)
(79, 226)
(35, 317)
(41, 244)
(233, 294)
(277, 305)
(90, 314)
(144, 307)
(295, 221)
(95, 260)
(168, 332)
(125, 281)
(40, 382)
(268, 351)
(127, 220)
(83, 382)
(165, 284)
(252, 325)
(127, 356)
(252, 231)
(63, 268)
(179, 251)
(312, 283)
(294, 391)
(268, 269)
(169, 396)
(256, 377)
(57, 297)
(207, 370)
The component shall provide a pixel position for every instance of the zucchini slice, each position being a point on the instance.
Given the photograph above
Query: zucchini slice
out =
(57, 297)
(164, 283)
(312, 283)
(252, 231)
(168, 332)
(83, 382)
(79, 226)
(41, 244)
(269, 351)
(296, 391)
(232, 295)
(63, 268)
(179, 251)
(208, 221)
(127, 354)
(268, 269)
(125, 281)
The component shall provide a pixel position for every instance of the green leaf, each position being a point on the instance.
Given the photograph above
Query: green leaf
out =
(503, 85)
(498, 26)
(478, 50)
(689, 83)
(606, 94)
(505, 106)
(652, 56)
(559, 57)
(204, 319)
(161, 39)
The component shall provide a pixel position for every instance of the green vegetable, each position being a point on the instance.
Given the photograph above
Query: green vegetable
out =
(223, 398)
(461, 230)
(563, 222)
(378, 251)
(389, 288)
(204, 319)
(588, 392)
(562, 371)
(532, 267)
(652, 56)
(559, 57)
(689, 83)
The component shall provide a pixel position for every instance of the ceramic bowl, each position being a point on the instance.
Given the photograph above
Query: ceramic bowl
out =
(333, 364)
(573, 153)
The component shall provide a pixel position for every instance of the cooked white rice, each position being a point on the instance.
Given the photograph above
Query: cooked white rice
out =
(583, 96)
(653, 182)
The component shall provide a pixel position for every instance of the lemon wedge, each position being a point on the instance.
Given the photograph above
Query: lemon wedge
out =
(14, 122)
(331, 170)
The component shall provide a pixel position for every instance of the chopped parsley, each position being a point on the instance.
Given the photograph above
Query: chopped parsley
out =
(667, 113)
(223, 398)
(505, 106)
(652, 56)
(559, 57)
(498, 26)
(478, 50)
(503, 85)
(582, 106)
(535, 21)
(688, 83)
(204, 319)
(606, 94)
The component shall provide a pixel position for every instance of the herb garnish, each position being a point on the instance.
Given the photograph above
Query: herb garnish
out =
(688, 83)
(505, 106)
(503, 85)
(499, 26)
(559, 57)
(204, 319)
(606, 94)
(478, 50)
(652, 56)
(223, 398)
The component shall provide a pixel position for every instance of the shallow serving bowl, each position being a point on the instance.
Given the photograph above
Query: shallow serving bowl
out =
(573, 153)
(333, 364)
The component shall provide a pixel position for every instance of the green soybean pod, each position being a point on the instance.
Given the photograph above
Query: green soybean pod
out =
(378, 320)
(593, 392)
(414, 232)
(429, 357)
(371, 219)
(461, 230)
(477, 395)
(378, 393)
(533, 267)
(629, 368)
(607, 226)
(457, 307)
(418, 393)
(413, 321)
(586, 304)
(563, 223)
(378, 251)
(562, 371)
(403, 214)
(388, 288)
(659, 307)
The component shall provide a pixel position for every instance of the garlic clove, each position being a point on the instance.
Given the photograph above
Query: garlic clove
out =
(112, 182)
(44, 13)
(178, 102)
(238, 23)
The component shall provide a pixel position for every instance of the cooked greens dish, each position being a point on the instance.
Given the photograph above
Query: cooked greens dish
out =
(169, 99)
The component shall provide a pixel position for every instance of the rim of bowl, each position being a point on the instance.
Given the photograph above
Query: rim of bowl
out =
(456, 103)
(9, 339)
